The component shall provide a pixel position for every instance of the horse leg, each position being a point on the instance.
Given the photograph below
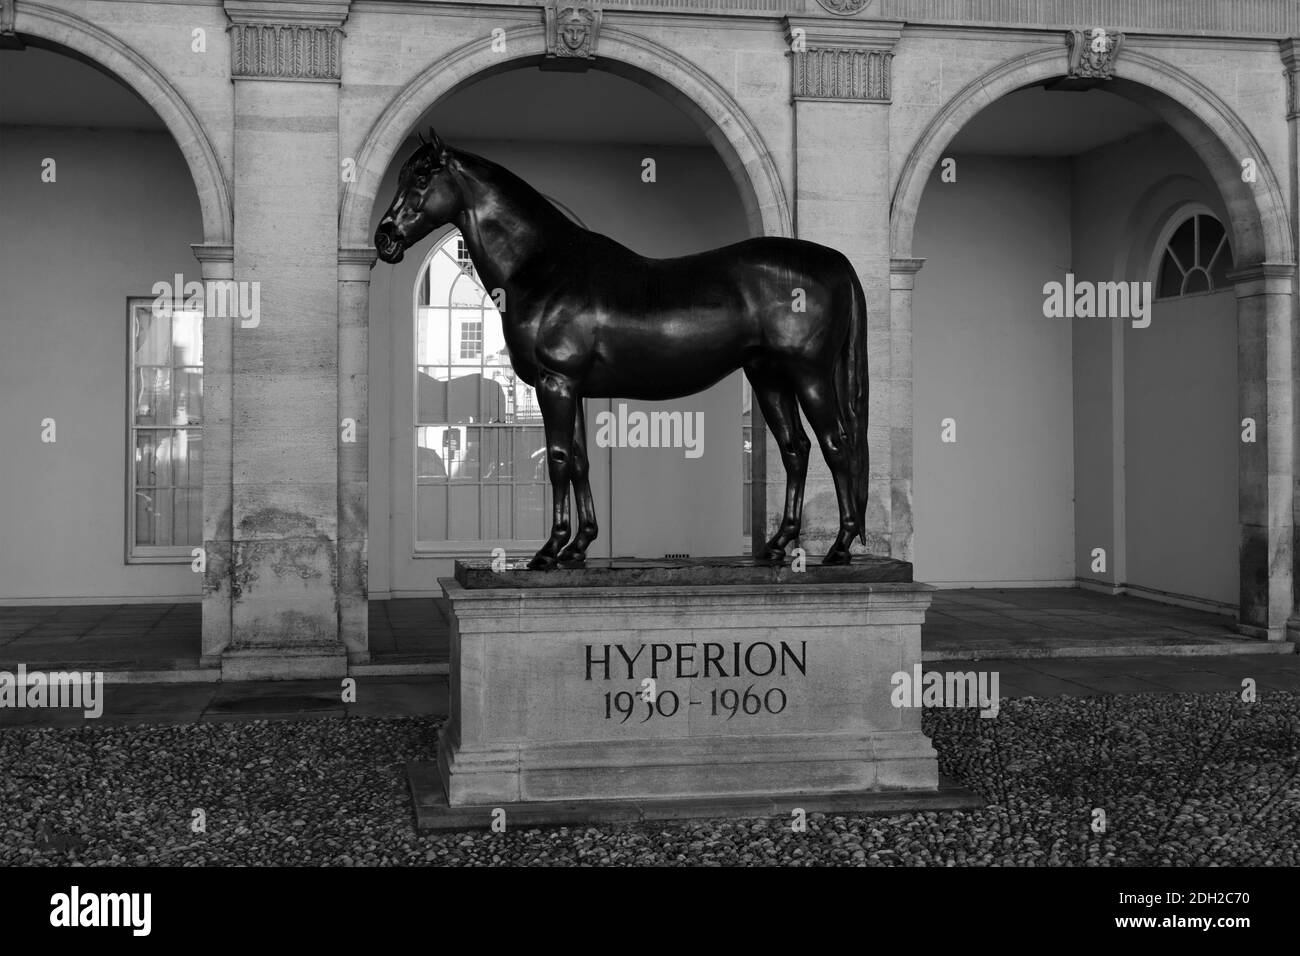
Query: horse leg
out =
(817, 396)
(556, 397)
(782, 417)
(576, 551)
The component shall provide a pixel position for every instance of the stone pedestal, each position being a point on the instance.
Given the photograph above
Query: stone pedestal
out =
(689, 688)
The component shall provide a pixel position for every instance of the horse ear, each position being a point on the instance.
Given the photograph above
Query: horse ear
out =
(439, 147)
(423, 141)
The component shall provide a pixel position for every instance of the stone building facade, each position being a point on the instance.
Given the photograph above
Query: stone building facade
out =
(833, 121)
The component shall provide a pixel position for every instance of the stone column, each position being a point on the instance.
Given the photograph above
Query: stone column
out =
(286, 433)
(354, 455)
(217, 264)
(1265, 388)
(902, 280)
(840, 72)
(1291, 63)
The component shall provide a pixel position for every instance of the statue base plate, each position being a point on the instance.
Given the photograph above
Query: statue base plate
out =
(635, 572)
(432, 812)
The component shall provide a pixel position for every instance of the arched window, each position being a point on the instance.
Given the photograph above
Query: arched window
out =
(1194, 257)
(480, 461)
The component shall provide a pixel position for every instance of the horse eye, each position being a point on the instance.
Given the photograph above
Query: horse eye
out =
(421, 181)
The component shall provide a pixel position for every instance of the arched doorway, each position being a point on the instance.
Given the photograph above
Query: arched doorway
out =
(1211, 142)
(592, 161)
(111, 186)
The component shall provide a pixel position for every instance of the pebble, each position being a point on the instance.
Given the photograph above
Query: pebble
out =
(334, 792)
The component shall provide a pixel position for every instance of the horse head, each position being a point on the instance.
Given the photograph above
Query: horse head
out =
(427, 197)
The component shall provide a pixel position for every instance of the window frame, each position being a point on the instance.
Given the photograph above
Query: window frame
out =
(448, 548)
(133, 552)
(1173, 222)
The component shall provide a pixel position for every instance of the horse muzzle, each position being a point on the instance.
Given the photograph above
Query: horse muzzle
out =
(389, 249)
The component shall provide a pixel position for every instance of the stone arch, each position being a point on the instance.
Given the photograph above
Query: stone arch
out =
(42, 22)
(1257, 212)
(625, 54)
(1264, 253)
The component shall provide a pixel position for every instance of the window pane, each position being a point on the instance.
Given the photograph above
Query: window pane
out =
(153, 516)
(187, 396)
(1222, 264)
(494, 402)
(431, 394)
(464, 512)
(526, 409)
(187, 338)
(1183, 244)
(189, 515)
(461, 449)
(1211, 236)
(152, 335)
(149, 472)
(463, 397)
(187, 458)
(152, 396)
(431, 512)
(530, 455)
(1197, 281)
(494, 453)
(497, 511)
(1170, 283)
(531, 503)
(429, 451)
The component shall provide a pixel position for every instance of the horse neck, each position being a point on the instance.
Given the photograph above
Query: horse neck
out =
(507, 225)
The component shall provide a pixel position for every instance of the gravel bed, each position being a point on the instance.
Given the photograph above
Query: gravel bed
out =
(1182, 779)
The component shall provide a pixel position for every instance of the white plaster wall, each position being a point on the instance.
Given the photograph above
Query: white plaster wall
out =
(996, 505)
(1155, 459)
(119, 218)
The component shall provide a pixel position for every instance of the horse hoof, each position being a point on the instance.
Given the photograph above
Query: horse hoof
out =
(774, 555)
(837, 556)
(541, 562)
(572, 560)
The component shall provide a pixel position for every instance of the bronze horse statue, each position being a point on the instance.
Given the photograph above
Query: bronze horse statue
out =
(586, 317)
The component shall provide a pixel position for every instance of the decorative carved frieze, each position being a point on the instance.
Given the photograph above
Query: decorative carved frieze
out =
(285, 52)
(294, 40)
(848, 61)
(842, 74)
(1093, 53)
(844, 8)
(572, 30)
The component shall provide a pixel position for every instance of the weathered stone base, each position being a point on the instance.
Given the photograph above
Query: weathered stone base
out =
(432, 812)
(758, 766)
(288, 663)
(760, 691)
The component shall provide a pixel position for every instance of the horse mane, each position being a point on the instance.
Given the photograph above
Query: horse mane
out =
(523, 197)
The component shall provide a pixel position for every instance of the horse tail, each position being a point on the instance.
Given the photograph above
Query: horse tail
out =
(851, 381)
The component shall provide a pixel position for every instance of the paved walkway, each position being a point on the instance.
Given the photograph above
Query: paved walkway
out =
(410, 636)
(404, 697)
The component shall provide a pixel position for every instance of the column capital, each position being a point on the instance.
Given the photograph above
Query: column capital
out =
(217, 259)
(298, 40)
(841, 60)
(1291, 60)
(902, 272)
(355, 263)
(1264, 278)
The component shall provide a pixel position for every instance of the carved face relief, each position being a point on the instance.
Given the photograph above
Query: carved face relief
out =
(574, 28)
